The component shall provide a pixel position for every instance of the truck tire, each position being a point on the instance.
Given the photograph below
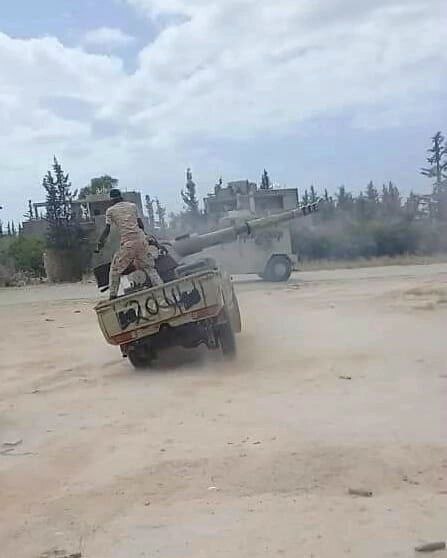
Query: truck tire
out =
(227, 340)
(140, 356)
(237, 321)
(278, 269)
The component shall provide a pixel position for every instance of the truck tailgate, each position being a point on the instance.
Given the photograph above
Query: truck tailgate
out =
(178, 302)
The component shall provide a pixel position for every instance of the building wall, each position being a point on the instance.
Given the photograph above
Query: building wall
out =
(244, 195)
(98, 204)
(37, 228)
(97, 207)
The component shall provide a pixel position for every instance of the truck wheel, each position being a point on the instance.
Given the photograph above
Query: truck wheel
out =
(227, 340)
(140, 356)
(236, 322)
(279, 268)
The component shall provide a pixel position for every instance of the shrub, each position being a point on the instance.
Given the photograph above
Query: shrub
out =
(6, 275)
(27, 255)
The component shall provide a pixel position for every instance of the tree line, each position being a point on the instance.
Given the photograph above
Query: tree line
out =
(10, 229)
(378, 221)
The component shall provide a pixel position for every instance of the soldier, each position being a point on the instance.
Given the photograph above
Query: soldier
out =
(134, 248)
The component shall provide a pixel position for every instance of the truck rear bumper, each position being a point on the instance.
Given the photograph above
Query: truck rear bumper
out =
(191, 319)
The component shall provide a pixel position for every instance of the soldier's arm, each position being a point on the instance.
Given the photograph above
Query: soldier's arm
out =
(105, 233)
(150, 237)
(103, 237)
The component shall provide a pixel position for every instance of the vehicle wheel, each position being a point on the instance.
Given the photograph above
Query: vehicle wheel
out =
(140, 356)
(278, 269)
(227, 340)
(236, 322)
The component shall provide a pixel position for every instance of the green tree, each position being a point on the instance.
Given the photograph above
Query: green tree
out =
(27, 254)
(437, 160)
(345, 199)
(63, 232)
(265, 181)
(372, 195)
(361, 204)
(440, 196)
(29, 215)
(391, 200)
(99, 185)
(218, 185)
(305, 200)
(150, 212)
(189, 195)
(327, 209)
(372, 199)
(161, 216)
(411, 205)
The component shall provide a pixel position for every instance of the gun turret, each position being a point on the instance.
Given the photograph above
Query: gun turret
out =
(193, 244)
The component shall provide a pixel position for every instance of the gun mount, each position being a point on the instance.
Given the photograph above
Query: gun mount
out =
(275, 266)
(193, 244)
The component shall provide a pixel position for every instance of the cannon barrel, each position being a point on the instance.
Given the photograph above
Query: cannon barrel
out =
(193, 244)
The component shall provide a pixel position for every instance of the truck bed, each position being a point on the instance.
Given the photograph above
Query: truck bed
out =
(144, 312)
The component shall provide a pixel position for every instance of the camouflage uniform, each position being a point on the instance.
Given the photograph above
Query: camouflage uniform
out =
(134, 248)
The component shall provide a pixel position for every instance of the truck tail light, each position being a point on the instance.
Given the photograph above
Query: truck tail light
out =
(123, 338)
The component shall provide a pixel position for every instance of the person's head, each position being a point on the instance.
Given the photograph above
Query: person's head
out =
(115, 195)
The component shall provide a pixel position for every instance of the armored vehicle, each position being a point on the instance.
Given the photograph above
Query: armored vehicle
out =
(266, 253)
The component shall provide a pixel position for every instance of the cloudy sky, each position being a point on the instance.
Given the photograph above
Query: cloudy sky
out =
(317, 91)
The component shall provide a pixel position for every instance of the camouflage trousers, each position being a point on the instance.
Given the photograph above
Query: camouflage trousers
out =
(136, 252)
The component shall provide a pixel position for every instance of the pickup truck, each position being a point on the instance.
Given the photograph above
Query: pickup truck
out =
(196, 308)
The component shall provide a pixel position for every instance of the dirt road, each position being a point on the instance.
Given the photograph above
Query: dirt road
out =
(341, 382)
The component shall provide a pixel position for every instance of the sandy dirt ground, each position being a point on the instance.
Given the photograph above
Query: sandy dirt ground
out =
(340, 382)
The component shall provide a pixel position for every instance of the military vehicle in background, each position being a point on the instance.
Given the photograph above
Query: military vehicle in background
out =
(195, 305)
(267, 252)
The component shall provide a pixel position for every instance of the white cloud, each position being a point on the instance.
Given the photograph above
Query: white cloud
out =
(230, 69)
(235, 67)
(159, 7)
(107, 37)
(34, 73)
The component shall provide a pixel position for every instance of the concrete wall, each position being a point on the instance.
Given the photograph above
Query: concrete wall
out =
(36, 228)
(100, 203)
(265, 201)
